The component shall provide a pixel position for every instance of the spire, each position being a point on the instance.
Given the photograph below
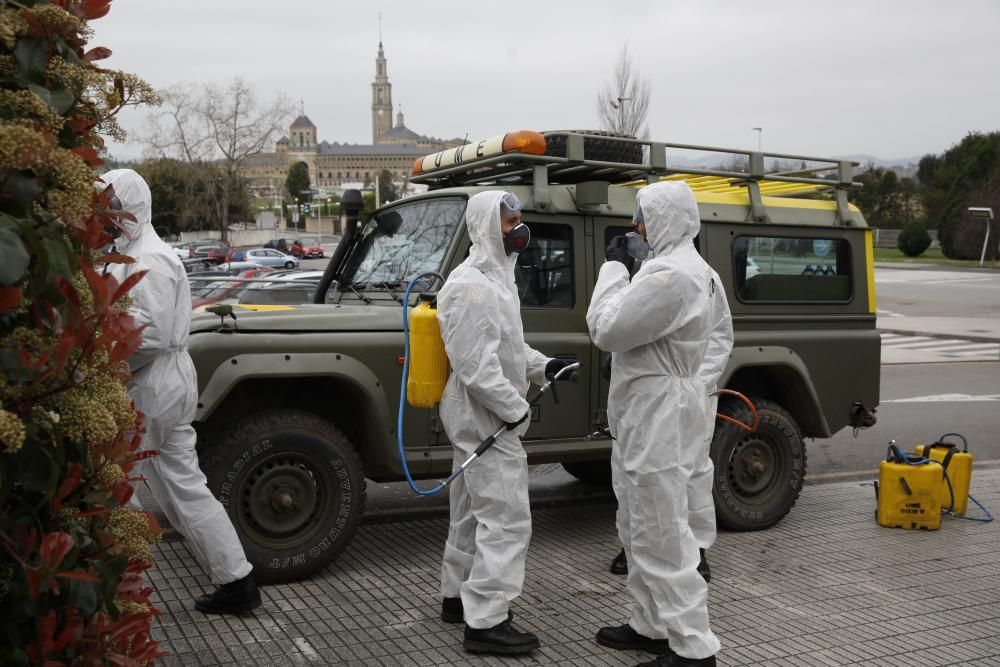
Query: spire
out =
(399, 116)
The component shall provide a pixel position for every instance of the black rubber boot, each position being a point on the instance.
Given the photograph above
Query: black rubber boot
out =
(703, 569)
(620, 564)
(502, 638)
(671, 659)
(232, 598)
(452, 610)
(623, 637)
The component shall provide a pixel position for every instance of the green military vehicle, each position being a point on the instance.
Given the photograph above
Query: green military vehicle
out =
(298, 404)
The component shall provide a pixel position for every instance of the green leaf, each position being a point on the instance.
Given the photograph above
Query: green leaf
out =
(32, 55)
(38, 472)
(20, 189)
(59, 255)
(85, 594)
(14, 258)
(59, 99)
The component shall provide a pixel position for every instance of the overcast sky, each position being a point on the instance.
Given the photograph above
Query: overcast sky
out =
(890, 78)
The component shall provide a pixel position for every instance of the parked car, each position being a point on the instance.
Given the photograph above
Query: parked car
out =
(196, 264)
(283, 287)
(306, 248)
(213, 250)
(283, 244)
(271, 257)
(237, 268)
(219, 252)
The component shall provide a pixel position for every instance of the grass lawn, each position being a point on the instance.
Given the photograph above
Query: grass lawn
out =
(930, 256)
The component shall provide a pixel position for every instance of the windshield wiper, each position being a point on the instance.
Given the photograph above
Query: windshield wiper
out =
(358, 294)
(388, 287)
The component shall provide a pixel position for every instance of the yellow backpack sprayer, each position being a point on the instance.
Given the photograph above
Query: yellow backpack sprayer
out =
(425, 376)
(914, 490)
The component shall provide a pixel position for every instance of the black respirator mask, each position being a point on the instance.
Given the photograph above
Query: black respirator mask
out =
(115, 205)
(517, 239)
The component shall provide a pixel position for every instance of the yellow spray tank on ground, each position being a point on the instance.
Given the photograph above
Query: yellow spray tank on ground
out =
(954, 490)
(909, 491)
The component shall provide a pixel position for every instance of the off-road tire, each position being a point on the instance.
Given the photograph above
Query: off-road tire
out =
(758, 475)
(599, 146)
(293, 487)
(592, 472)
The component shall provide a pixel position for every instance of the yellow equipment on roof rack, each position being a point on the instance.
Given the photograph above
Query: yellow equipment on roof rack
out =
(723, 185)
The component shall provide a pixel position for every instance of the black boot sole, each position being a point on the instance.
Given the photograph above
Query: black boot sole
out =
(653, 646)
(485, 647)
(235, 609)
(452, 618)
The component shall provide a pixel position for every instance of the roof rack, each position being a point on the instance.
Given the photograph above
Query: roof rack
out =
(649, 164)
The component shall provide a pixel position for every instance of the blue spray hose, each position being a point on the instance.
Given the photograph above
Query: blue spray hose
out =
(402, 393)
(485, 444)
(987, 516)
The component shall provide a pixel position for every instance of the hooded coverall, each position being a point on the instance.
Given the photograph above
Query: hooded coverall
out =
(659, 327)
(480, 317)
(165, 388)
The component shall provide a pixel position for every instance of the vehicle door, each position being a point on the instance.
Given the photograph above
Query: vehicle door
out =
(552, 282)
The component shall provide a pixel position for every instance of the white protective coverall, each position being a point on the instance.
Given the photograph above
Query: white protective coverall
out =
(701, 505)
(480, 316)
(658, 327)
(165, 388)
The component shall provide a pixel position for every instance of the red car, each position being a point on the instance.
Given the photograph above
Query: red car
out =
(306, 248)
(220, 252)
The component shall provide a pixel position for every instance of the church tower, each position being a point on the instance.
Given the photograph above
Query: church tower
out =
(381, 99)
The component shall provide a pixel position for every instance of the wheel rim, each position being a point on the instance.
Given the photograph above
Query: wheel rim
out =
(283, 499)
(757, 464)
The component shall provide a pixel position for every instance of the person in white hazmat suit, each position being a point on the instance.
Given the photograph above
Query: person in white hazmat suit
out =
(701, 506)
(164, 388)
(658, 328)
(479, 313)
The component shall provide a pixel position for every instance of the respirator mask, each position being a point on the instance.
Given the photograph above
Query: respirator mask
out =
(517, 239)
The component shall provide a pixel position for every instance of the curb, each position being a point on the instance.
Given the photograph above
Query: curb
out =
(947, 336)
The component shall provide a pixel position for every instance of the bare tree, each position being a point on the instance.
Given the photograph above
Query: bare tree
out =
(219, 125)
(624, 103)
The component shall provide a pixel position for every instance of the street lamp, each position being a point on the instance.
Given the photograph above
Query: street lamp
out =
(759, 131)
(986, 214)
(319, 218)
(621, 112)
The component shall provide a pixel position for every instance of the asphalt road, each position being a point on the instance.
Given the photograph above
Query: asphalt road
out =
(938, 292)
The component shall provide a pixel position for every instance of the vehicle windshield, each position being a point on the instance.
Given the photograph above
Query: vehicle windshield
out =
(308, 242)
(402, 242)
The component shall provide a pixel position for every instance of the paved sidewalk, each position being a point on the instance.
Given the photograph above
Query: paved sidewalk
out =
(983, 329)
(826, 586)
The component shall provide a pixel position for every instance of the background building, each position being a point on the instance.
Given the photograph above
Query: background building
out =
(394, 148)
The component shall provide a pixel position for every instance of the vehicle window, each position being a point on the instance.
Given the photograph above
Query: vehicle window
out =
(273, 253)
(773, 268)
(403, 241)
(544, 271)
(305, 242)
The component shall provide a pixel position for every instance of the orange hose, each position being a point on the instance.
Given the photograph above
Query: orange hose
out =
(753, 410)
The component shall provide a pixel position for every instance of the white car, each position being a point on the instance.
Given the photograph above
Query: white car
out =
(271, 257)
